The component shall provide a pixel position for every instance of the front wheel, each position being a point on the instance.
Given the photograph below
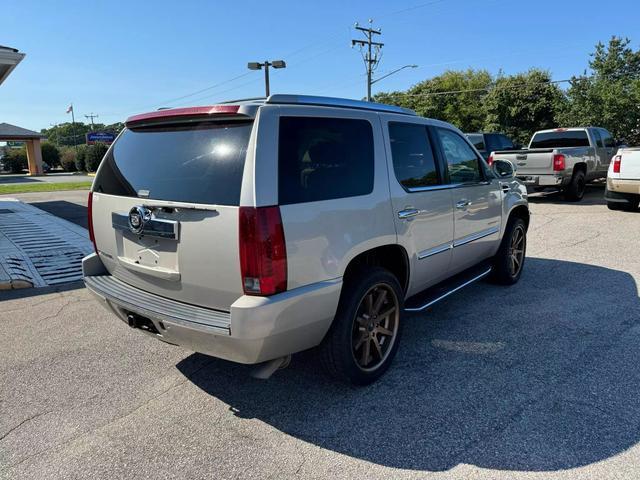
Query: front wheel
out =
(364, 336)
(509, 261)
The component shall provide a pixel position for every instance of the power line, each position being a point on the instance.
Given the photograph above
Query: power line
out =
(471, 90)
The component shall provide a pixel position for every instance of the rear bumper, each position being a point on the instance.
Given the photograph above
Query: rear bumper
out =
(615, 185)
(541, 180)
(256, 329)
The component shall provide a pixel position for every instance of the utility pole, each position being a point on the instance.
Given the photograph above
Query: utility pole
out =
(92, 116)
(371, 52)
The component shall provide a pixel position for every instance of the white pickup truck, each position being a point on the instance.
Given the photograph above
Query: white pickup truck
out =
(623, 180)
(562, 158)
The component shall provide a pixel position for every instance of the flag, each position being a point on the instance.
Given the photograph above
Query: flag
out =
(70, 109)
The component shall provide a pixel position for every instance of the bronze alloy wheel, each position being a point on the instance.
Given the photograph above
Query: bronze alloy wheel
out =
(516, 250)
(375, 327)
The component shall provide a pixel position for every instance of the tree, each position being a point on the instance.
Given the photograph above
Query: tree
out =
(454, 96)
(68, 160)
(94, 155)
(518, 105)
(609, 95)
(16, 160)
(50, 154)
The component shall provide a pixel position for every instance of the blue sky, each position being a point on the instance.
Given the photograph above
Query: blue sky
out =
(117, 58)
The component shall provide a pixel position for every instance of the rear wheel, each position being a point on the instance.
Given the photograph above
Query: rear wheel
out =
(575, 190)
(363, 339)
(509, 261)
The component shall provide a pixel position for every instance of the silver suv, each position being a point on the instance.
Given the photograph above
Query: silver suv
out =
(254, 230)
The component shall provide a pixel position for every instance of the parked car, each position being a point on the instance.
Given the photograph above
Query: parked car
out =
(486, 143)
(563, 158)
(255, 230)
(623, 180)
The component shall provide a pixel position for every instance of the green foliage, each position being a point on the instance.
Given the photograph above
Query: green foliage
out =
(94, 156)
(16, 160)
(518, 105)
(68, 160)
(81, 158)
(610, 96)
(50, 154)
(68, 134)
(464, 109)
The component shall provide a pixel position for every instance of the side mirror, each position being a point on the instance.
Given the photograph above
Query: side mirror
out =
(503, 168)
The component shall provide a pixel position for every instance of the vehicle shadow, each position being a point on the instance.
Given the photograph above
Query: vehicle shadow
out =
(593, 195)
(540, 376)
(68, 210)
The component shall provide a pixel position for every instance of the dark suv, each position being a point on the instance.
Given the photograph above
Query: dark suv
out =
(486, 143)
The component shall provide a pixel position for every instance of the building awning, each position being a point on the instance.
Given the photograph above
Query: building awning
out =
(9, 59)
(11, 132)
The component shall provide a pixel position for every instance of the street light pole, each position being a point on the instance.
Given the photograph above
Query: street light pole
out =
(266, 64)
(391, 73)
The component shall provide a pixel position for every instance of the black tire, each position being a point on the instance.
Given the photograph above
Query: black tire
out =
(515, 238)
(339, 349)
(575, 190)
(629, 202)
(614, 205)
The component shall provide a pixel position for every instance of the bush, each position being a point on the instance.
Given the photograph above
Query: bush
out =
(16, 161)
(68, 160)
(50, 154)
(81, 158)
(94, 156)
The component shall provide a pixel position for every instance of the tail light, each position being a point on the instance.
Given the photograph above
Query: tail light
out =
(263, 254)
(558, 162)
(92, 236)
(617, 160)
(490, 160)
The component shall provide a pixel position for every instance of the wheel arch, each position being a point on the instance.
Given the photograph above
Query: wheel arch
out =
(392, 257)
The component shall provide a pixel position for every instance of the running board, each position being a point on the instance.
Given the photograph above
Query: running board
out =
(433, 295)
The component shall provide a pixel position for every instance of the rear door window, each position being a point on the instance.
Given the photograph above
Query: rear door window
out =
(414, 163)
(560, 139)
(195, 164)
(324, 158)
(462, 162)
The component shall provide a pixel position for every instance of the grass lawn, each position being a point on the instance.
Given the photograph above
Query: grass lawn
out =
(42, 187)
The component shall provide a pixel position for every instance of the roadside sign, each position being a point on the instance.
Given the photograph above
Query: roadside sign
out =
(104, 137)
(14, 144)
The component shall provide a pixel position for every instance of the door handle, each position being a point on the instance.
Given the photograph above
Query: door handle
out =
(408, 213)
(463, 204)
(505, 187)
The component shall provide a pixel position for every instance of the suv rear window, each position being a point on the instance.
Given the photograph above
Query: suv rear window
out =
(324, 158)
(574, 138)
(196, 164)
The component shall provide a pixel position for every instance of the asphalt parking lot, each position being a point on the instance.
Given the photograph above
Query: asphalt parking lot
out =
(539, 380)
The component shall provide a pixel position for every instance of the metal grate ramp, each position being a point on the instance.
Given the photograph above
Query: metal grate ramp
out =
(38, 247)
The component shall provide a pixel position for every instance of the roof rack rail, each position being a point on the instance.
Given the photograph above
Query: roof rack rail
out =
(336, 102)
(237, 100)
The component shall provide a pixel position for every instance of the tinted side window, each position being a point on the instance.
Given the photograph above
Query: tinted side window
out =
(493, 142)
(462, 162)
(413, 160)
(324, 158)
(596, 134)
(608, 139)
